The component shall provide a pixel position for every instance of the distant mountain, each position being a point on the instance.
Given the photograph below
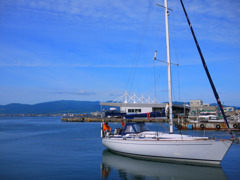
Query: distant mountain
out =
(54, 107)
(179, 103)
(215, 104)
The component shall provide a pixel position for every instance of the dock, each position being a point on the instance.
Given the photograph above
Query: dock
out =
(182, 124)
(109, 119)
(207, 125)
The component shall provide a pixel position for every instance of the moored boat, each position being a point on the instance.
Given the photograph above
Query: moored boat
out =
(138, 141)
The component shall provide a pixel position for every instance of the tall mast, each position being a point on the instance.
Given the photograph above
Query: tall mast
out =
(169, 68)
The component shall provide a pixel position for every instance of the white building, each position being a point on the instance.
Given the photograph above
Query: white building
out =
(135, 105)
(137, 108)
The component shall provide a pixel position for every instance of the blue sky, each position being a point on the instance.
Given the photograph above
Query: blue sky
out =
(86, 50)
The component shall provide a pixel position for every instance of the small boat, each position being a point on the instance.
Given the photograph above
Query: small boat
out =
(137, 140)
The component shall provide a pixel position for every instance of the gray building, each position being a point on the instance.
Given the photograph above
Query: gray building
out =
(197, 107)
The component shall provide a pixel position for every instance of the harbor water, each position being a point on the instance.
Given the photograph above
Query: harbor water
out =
(47, 148)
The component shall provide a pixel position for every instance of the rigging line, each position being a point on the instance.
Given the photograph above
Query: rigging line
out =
(155, 83)
(167, 129)
(206, 69)
(173, 83)
(136, 52)
(179, 83)
(176, 52)
(174, 90)
(154, 67)
(173, 29)
(154, 34)
(179, 89)
(140, 43)
(157, 39)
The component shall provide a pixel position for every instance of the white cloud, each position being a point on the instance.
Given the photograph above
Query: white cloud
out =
(90, 8)
(220, 17)
(212, 20)
(80, 92)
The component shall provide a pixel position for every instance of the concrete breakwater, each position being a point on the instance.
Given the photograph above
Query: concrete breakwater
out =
(107, 119)
(183, 124)
(207, 125)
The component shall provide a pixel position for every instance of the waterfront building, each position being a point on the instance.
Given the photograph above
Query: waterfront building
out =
(134, 105)
(197, 107)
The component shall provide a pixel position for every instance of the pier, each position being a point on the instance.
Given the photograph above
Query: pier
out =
(207, 125)
(109, 119)
(183, 124)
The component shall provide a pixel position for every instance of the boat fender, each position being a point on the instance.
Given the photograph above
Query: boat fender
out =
(179, 126)
(102, 134)
(218, 126)
(202, 126)
(235, 126)
(148, 115)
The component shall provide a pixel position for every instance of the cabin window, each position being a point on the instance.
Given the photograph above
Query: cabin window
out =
(140, 127)
(130, 110)
(137, 110)
(129, 129)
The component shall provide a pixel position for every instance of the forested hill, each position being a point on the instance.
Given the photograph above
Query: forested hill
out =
(54, 107)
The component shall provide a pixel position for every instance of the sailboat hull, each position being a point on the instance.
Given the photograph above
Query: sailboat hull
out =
(210, 152)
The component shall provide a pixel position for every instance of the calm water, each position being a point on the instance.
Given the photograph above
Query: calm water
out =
(46, 148)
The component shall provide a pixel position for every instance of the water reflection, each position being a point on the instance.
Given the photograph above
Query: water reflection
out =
(120, 167)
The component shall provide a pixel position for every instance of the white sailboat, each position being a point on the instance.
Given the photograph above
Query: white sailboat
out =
(138, 141)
